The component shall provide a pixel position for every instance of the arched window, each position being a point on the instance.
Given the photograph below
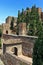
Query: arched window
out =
(15, 50)
(6, 31)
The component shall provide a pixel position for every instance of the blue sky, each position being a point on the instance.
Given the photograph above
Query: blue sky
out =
(11, 7)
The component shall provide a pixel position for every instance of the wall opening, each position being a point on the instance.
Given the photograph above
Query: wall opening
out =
(6, 31)
(15, 50)
(4, 48)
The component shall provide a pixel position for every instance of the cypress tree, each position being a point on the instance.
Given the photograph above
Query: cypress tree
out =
(34, 19)
(18, 21)
(0, 33)
(12, 24)
(38, 50)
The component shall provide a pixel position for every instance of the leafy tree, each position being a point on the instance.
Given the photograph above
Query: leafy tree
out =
(0, 33)
(39, 27)
(18, 21)
(34, 21)
(31, 18)
(27, 18)
(22, 16)
(38, 49)
(27, 8)
(19, 17)
(12, 24)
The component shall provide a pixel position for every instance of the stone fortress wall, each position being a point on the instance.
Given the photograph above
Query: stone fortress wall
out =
(27, 42)
(24, 45)
(6, 26)
(10, 59)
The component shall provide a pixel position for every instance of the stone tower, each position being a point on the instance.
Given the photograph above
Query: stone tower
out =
(22, 28)
(6, 25)
(8, 19)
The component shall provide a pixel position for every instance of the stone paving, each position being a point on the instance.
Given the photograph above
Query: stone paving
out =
(25, 58)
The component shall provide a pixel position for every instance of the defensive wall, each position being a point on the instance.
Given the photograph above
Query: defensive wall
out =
(10, 59)
(24, 45)
(27, 42)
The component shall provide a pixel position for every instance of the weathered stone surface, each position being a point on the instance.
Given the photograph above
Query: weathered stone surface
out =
(6, 26)
(27, 42)
(22, 28)
(10, 59)
(1, 62)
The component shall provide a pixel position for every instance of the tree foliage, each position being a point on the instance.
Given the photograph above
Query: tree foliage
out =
(38, 50)
(0, 33)
(18, 21)
(34, 20)
(31, 18)
(12, 24)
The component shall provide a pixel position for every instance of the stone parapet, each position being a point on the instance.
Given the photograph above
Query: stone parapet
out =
(10, 59)
(27, 42)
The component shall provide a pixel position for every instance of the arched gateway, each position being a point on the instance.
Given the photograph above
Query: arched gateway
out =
(16, 48)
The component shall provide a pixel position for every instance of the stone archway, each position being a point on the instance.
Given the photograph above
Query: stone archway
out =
(15, 51)
(15, 48)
